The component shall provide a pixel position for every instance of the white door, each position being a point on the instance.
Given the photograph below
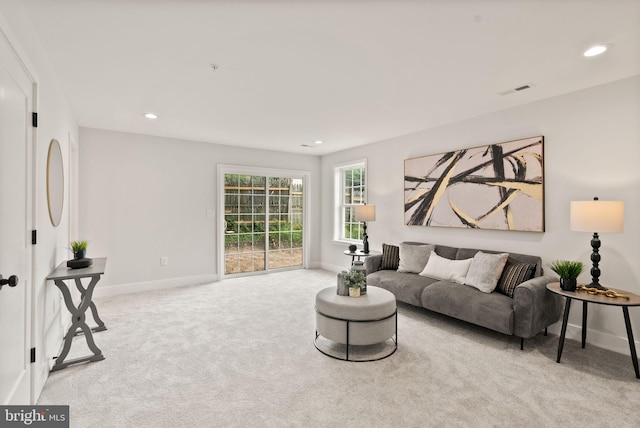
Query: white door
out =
(16, 94)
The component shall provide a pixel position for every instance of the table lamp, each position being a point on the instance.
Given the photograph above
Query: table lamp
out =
(598, 217)
(365, 213)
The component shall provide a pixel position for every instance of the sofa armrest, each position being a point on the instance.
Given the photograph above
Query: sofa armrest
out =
(373, 263)
(535, 307)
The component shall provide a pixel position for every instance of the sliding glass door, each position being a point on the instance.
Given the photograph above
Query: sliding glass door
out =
(263, 223)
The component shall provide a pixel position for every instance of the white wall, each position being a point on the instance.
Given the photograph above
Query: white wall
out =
(592, 148)
(145, 197)
(55, 121)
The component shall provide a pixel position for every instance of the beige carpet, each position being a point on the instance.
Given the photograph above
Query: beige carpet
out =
(239, 353)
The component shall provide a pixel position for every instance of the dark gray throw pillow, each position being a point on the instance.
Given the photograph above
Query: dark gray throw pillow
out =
(390, 257)
(513, 275)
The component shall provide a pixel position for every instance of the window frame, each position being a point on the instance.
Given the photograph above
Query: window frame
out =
(339, 172)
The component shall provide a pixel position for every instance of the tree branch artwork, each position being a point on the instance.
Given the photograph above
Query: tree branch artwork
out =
(497, 187)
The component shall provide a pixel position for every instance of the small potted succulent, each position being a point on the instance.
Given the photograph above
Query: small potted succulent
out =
(79, 249)
(354, 280)
(568, 271)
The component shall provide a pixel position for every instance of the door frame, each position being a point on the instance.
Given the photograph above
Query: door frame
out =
(267, 172)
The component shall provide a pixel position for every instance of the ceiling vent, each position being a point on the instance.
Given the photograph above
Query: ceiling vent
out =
(520, 88)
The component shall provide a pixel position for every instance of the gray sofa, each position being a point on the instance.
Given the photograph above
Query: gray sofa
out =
(531, 309)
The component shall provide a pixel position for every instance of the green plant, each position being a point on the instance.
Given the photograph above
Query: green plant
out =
(567, 269)
(354, 279)
(79, 246)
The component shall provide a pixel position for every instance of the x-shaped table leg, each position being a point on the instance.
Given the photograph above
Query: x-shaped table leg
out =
(78, 323)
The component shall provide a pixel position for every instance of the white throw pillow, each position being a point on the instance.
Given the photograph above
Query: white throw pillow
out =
(485, 271)
(413, 258)
(450, 270)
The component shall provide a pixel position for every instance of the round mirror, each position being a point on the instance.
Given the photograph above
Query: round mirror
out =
(55, 182)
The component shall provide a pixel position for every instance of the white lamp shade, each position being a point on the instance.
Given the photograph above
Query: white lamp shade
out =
(366, 213)
(597, 216)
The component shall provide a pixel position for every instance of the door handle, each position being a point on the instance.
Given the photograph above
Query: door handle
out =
(12, 281)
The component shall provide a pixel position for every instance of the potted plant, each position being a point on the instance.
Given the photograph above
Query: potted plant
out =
(79, 249)
(354, 280)
(568, 271)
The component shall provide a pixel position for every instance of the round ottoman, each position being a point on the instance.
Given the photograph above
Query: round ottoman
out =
(366, 320)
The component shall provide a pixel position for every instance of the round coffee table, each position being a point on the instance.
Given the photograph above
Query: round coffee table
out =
(367, 320)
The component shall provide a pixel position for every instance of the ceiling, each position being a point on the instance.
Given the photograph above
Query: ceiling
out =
(345, 72)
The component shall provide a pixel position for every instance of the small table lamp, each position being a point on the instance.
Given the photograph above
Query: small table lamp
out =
(597, 216)
(365, 213)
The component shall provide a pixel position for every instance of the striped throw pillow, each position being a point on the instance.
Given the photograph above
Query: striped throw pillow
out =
(390, 257)
(513, 275)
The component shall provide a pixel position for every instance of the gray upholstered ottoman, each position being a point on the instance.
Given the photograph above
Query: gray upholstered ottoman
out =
(367, 320)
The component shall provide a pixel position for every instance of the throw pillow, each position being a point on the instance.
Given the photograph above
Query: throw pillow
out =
(515, 274)
(450, 270)
(390, 257)
(485, 271)
(413, 258)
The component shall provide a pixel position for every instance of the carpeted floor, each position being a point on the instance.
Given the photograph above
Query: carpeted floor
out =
(240, 353)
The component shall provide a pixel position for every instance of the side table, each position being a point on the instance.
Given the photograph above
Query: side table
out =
(586, 298)
(360, 253)
(78, 324)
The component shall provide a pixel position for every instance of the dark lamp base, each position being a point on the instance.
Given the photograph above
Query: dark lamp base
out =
(596, 285)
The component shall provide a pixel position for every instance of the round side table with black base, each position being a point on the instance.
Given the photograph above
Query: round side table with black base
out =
(586, 298)
(360, 253)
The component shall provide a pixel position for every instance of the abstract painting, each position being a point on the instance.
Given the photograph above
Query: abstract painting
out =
(497, 187)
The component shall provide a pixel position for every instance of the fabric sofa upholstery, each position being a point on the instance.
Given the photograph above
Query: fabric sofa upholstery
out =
(531, 309)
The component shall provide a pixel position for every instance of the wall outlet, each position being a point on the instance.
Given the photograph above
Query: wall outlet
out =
(164, 261)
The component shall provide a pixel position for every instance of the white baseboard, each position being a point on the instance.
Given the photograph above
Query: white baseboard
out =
(314, 265)
(115, 290)
(608, 341)
(332, 268)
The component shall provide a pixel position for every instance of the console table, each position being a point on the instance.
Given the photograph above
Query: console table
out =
(586, 298)
(78, 324)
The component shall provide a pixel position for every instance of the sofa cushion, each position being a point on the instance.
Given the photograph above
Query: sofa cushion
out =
(513, 275)
(444, 269)
(390, 257)
(413, 258)
(465, 253)
(407, 287)
(485, 271)
(493, 310)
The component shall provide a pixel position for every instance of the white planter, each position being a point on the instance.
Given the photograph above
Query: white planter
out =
(354, 292)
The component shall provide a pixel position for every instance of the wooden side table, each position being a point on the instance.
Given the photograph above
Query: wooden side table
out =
(78, 324)
(586, 298)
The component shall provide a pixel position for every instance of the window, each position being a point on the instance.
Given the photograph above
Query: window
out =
(350, 191)
(263, 219)
(263, 214)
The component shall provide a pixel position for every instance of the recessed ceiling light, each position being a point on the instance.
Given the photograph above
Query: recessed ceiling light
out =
(318, 142)
(151, 115)
(596, 50)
